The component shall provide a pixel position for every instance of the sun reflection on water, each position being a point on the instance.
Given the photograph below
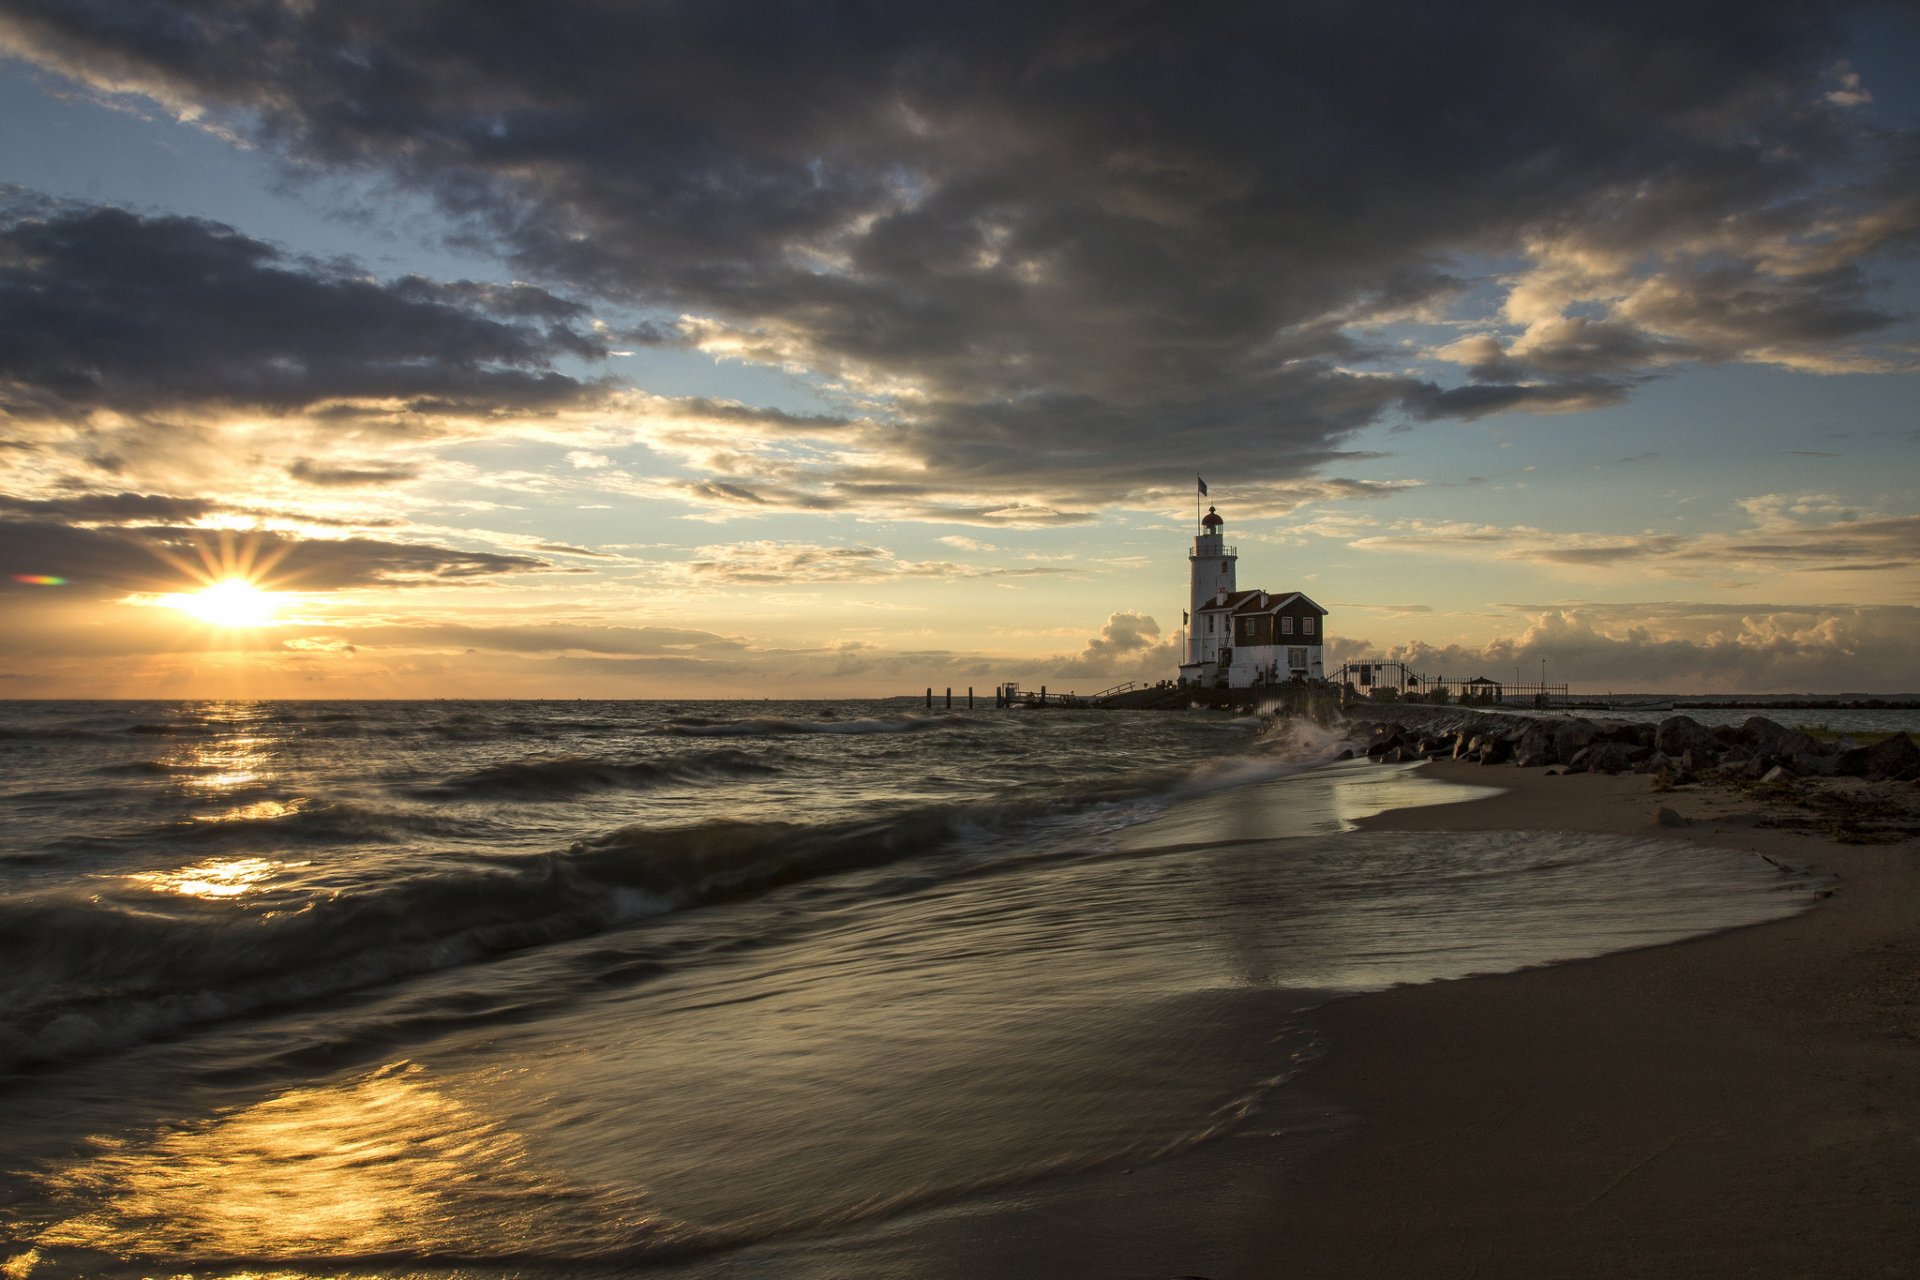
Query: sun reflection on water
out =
(218, 878)
(386, 1164)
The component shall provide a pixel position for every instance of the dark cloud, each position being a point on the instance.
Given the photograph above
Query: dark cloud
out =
(110, 508)
(106, 562)
(106, 309)
(1100, 243)
(348, 477)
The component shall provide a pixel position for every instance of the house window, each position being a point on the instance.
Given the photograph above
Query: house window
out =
(1209, 624)
(1286, 626)
(1297, 659)
(1306, 626)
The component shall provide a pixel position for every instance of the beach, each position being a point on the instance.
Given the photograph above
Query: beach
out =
(1745, 1104)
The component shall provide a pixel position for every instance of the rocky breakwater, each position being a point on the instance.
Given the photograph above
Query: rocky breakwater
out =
(1678, 746)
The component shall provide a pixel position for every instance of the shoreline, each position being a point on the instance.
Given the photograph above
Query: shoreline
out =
(1745, 1103)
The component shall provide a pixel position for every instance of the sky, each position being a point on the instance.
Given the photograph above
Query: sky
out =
(813, 349)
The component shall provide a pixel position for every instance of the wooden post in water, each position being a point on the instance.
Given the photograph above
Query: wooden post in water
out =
(1043, 695)
(929, 697)
(969, 697)
(949, 697)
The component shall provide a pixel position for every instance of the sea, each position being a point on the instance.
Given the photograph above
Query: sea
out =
(716, 989)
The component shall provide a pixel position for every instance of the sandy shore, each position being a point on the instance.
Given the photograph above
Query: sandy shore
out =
(1741, 1105)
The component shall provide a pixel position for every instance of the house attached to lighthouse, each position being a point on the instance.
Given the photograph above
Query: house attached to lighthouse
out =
(1240, 639)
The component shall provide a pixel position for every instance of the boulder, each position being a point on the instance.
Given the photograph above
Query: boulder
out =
(1615, 757)
(1573, 737)
(1665, 817)
(1765, 738)
(1378, 749)
(1892, 759)
(1535, 740)
(1677, 735)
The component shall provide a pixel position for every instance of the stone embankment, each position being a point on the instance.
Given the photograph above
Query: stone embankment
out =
(1678, 746)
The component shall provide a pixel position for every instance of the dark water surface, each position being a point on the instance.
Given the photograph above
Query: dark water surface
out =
(496, 989)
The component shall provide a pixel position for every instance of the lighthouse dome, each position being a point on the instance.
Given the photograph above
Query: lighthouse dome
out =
(1211, 520)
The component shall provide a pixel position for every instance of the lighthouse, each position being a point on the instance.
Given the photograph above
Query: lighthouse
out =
(1212, 570)
(1245, 639)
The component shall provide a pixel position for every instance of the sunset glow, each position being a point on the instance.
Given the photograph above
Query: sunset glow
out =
(231, 602)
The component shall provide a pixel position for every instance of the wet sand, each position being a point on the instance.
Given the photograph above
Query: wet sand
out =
(1746, 1104)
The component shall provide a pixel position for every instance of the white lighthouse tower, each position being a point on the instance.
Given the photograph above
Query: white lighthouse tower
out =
(1212, 563)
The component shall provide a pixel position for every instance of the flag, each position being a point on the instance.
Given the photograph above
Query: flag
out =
(1183, 617)
(1203, 487)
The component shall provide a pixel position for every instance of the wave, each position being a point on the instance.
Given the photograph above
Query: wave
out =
(94, 975)
(557, 777)
(289, 821)
(774, 726)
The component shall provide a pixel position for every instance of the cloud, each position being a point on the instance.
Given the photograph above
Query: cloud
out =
(349, 477)
(108, 562)
(1128, 646)
(1685, 648)
(1808, 533)
(768, 563)
(108, 310)
(109, 508)
(1048, 254)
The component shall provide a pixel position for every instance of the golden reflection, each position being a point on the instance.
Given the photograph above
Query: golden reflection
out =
(387, 1163)
(225, 764)
(220, 878)
(259, 810)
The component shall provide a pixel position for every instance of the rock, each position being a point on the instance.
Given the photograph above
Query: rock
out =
(1531, 759)
(1378, 750)
(1666, 817)
(1779, 773)
(1657, 763)
(1573, 737)
(1892, 759)
(1765, 738)
(1615, 757)
(1346, 753)
(1494, 750)
(1535, 740)
(1678, 734)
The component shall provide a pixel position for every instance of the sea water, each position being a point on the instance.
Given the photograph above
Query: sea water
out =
(604, 988)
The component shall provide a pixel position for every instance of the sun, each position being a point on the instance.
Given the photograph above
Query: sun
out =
(230, 602)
